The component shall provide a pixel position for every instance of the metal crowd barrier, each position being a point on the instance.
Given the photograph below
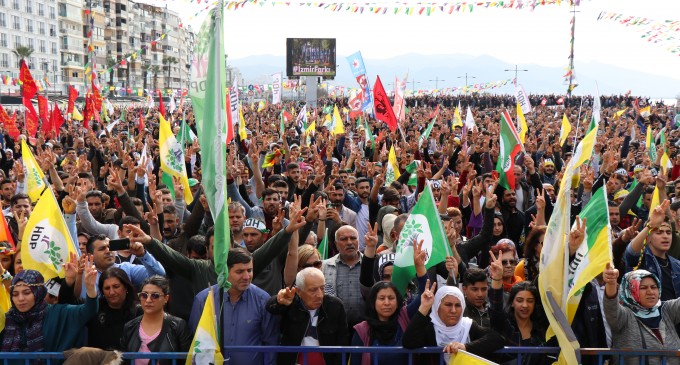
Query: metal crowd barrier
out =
(178, 358)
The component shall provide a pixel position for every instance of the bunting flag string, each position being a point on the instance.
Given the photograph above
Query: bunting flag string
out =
(661, 32)
(392, 8)
(133, 55)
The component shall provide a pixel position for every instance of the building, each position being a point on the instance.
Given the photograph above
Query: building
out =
(30, 23)
(145, 46)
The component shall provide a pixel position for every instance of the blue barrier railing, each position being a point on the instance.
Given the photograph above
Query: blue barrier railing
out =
(178, 358)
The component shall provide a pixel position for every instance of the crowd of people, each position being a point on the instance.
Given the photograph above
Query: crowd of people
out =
(314, 236)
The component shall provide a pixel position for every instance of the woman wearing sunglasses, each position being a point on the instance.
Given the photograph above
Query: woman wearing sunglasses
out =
(155, 330)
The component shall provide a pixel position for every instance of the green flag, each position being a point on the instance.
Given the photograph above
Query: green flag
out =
(185, 134)
(208, 97)
(323, 246)
(282, 126)
(411, 169)
(425, 136)
(369, 133)
(424, 223)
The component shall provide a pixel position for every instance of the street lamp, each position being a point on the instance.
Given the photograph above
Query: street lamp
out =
(466, 80)
(436, 82)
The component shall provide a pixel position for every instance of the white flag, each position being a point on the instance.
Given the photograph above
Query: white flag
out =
(469, 120)
(276, 88)
(172, 106)
(233, 104)
(523, 99)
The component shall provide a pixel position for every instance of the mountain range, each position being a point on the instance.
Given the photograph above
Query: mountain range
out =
(441, 71)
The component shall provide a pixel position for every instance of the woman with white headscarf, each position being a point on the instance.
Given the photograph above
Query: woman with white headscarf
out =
(446, 327)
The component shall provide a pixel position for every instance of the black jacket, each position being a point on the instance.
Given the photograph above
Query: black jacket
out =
(331, 326)
(420, 333)
(174, 337)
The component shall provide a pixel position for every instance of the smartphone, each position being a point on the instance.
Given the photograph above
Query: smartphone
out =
(119, 245)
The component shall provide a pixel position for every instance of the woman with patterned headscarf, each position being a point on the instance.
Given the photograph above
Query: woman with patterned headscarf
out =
(637, 316)
(32, 325)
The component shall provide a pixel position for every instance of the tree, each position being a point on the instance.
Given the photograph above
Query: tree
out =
(22, 52)
(145, 72)
(155, 70)
(167, 65)
(110, 62)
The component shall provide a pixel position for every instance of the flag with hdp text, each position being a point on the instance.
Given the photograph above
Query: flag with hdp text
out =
(172, 159)
(35, 179)
(208, 98)
(424, 223)
(392, 172)
(205, 348)
(522, 124)
(510, 146)
(46, 243)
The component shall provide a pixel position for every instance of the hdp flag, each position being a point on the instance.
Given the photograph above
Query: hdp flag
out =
(208, 99)
(46, 243)
(35, 179)
(426, 135)
(522, 124)
(457, 120)
(205, 348)
(76, 114)
(650, 145)
(338, 126)
(466, 358)
(424, 223)
(172, 158)
(392, 173)
(510, 146)
(382, 107)
(565, 129)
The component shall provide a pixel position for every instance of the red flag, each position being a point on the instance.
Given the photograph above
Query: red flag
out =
(89, 111)
(5, 234)
(230, 125)
(434, 113)
(44, 113)
(560, 101)
(382, 106)
(160, 103)
(29, 89)
(287, 117)
(72, 96)
(141, 122)
(544, 101)
(9, 123)
(96, 98)
(56, 119)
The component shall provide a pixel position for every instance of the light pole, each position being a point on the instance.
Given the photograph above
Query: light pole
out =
(466, 80)
(413, 85)
(436, 82)
(516, 70)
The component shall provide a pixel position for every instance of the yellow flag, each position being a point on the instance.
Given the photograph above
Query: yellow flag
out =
(35, 179)
(655, 199)
(76, 114)
(665, 163)
(466, 358)
(46, 243)
(205, 348)
(311, 128)
(618, 114)
(644, 112)
(564, 131)
(457, 120)
(338, 126)
(5, 304)
(392, 173)
(522, 124)
(260, 106)
(172, 157)
(241, 125)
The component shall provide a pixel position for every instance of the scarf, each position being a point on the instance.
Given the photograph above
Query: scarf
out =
(23, 330)
(460, 332)
(629, 297)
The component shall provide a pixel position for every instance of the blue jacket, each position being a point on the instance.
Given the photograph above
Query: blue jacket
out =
(244, 323)
(650, 264)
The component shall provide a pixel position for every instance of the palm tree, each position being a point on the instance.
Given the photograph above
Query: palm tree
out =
(146, 68)
(155, 70)
(168, 62)
(22, 52)
(110, 62)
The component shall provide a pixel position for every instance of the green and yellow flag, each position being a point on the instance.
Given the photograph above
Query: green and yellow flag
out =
(205, 348)
(35, 179)
(172, 159)
(46, 243)
(392, 172)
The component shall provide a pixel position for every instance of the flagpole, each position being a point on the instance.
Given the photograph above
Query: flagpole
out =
(578, 122)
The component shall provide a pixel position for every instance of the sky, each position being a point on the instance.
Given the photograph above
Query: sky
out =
(516, 36)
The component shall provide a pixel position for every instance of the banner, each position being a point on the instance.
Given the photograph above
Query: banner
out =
(399, 102)
(276, 88)
(383, 109)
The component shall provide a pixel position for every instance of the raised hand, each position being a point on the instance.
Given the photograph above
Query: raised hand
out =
(577, 235)
(137, 235)
(540, 199)
(69, 205)
(297, 219)
(658, 215)
(286, 295)
(629, 233)
(419, 255)
(90, 277)
(71, 268)
(371, 236)
(496, 266)
(491, 198)
(427, 298)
